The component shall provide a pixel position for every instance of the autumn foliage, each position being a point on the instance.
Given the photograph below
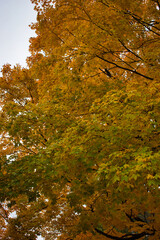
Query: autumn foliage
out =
(80, 127)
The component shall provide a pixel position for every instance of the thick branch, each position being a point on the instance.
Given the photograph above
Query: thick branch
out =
(143, 23)
(124, 68)
(126, 236)
(129, 50)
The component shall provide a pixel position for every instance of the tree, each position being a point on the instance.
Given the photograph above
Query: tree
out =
(80, 127)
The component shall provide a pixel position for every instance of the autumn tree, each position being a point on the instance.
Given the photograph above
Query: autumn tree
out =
(80, 127)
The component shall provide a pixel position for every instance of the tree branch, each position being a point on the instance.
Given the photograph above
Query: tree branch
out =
(126, 236)
(124, 68)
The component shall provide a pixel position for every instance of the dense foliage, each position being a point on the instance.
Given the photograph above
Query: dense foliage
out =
(80, 127)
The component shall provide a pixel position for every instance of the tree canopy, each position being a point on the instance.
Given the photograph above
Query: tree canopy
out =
(80, 126)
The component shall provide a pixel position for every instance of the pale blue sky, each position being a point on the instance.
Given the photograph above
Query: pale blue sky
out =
(15, 16)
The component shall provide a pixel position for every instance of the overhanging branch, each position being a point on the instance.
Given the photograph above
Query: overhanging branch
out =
(130, 236)
(124, 68)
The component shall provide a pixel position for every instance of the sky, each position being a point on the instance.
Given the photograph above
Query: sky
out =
(15, 16)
